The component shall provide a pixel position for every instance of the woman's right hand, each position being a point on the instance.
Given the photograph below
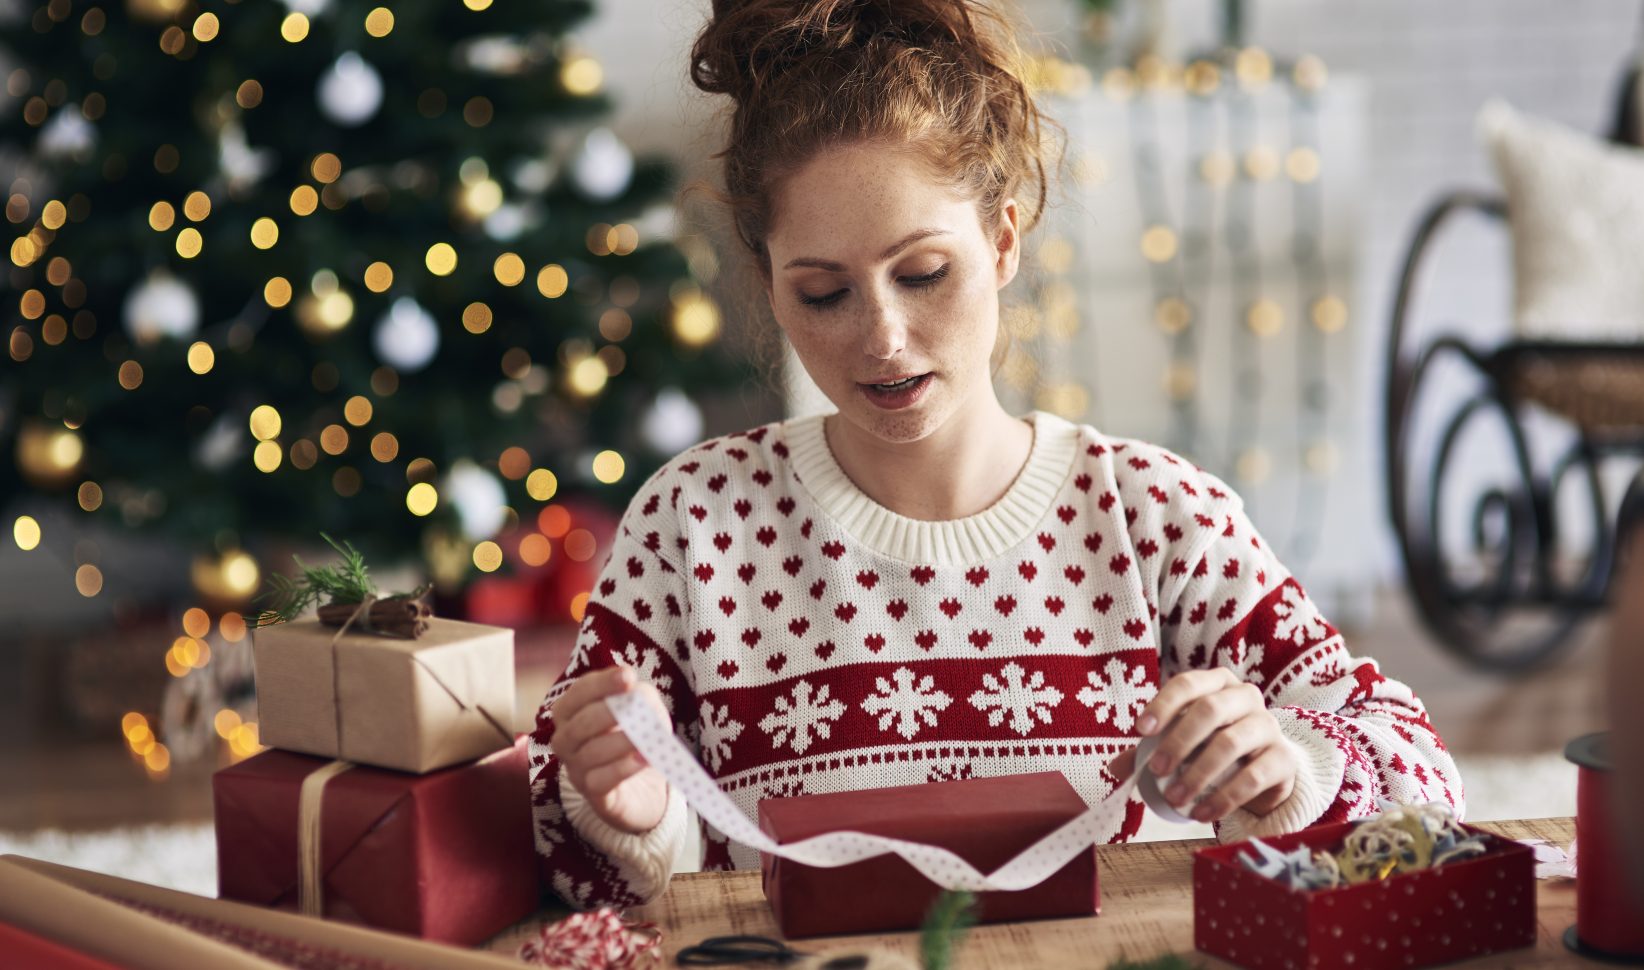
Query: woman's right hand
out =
(600, 761)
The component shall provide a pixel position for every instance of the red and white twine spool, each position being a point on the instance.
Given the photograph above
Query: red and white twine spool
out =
(1609, 919)
(596, 940)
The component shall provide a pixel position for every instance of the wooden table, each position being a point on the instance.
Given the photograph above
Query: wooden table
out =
(1147, 911)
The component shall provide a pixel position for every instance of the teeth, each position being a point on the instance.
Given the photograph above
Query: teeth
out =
(899, 383)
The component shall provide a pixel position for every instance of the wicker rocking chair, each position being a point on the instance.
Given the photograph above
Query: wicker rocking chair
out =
(1510, 602)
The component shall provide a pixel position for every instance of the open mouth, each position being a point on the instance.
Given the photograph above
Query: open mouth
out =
(900, 393)
(904, 382)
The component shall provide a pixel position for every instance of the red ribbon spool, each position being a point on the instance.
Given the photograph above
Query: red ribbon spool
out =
(1609, 920)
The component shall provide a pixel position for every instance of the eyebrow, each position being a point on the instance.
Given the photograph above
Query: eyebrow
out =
(900, 245)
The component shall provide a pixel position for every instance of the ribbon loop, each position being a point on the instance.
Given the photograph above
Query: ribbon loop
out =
(654, 738)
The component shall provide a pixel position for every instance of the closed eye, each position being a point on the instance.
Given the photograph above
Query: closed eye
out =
(916, 282)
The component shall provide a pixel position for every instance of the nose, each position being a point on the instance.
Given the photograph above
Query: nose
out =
(887, 331)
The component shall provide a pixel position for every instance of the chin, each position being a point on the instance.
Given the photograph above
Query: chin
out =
(896, 427)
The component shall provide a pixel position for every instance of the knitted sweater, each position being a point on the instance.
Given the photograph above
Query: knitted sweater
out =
(806, 640)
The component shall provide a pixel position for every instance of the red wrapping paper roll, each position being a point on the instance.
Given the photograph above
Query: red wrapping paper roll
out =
(1608, 917)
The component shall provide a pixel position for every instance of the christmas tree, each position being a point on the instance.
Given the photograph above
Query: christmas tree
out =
(335, 266)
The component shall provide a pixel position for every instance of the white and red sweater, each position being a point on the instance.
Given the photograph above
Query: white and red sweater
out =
(806, 640)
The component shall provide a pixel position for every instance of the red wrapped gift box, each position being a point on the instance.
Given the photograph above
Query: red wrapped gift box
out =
(1485, 904)
(985, 821)
(446, 856)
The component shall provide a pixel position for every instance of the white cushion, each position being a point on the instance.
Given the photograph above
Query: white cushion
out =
(1576, 208)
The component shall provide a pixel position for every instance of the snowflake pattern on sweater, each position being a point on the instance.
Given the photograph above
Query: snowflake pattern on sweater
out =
(807, 640)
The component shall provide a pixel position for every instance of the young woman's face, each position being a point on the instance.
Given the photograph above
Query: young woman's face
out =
(879, 272)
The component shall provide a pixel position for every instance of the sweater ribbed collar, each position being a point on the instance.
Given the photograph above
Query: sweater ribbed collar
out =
(953, 542)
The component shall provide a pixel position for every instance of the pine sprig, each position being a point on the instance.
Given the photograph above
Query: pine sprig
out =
(946, 921)
(289, 597)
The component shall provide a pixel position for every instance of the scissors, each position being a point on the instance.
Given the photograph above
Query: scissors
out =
(741, 948)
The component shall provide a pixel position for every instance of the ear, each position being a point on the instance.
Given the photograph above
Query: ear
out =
(1007, 242)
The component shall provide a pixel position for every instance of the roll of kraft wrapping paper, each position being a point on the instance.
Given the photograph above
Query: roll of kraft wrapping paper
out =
(654, 738)
(1609, 919)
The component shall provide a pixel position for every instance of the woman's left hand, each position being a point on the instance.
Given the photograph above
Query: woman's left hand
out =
(1212, 722)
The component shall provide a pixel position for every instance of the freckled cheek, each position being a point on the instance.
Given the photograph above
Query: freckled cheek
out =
(825, 351)
(964, 323)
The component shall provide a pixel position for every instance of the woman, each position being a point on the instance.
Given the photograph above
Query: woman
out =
(922, 586)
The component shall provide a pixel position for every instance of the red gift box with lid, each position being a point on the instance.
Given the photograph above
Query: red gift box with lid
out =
(446, 856)
(985, 821)
(1484, 904)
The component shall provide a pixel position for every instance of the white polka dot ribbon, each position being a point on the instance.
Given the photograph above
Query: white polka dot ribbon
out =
(654, 738)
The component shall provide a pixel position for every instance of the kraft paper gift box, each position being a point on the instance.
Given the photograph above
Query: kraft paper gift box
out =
(985, 821)
(1483, 904)
(415, 705)
(445, 856)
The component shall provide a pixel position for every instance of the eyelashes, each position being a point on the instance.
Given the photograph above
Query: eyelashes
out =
(915, 282)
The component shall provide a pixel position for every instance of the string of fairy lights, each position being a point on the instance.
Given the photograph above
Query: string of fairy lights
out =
(337, 438)
(1228, 158)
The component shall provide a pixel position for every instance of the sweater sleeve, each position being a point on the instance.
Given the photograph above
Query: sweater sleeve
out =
(1359, 736)
(635, 616)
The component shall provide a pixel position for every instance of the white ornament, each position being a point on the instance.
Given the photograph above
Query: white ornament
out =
(162, 306)
(309, 8)
(407, 338)
(68, 135)
(222, 443)
(533, 175)
(350, 91)
(242, 165)
(603, 167)
(1118, 692)
(1023, 700)
(478, 497)
(673, 423)
(507, 222)
(908, 704)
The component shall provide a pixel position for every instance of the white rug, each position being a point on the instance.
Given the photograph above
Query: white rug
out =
(185, 856)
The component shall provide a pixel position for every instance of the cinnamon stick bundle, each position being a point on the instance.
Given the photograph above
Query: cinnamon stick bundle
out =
(405, 616)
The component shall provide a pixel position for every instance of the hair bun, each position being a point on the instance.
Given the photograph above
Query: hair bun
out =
(748, 41)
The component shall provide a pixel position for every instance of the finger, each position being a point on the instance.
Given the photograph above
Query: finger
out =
(1220, 753)
(1266, 773)
(1122, 766)
(602, 750)
(594, 719)
(1194, 725)
(589, 687)
(598, 781)
(1178, 692)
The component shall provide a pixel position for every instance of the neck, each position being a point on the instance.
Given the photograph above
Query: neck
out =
(954, 472)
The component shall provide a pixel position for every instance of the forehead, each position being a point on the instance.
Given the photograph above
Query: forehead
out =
(850, 198)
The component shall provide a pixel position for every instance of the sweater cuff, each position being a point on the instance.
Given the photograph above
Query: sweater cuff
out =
(1320, 768)
(646, 859)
